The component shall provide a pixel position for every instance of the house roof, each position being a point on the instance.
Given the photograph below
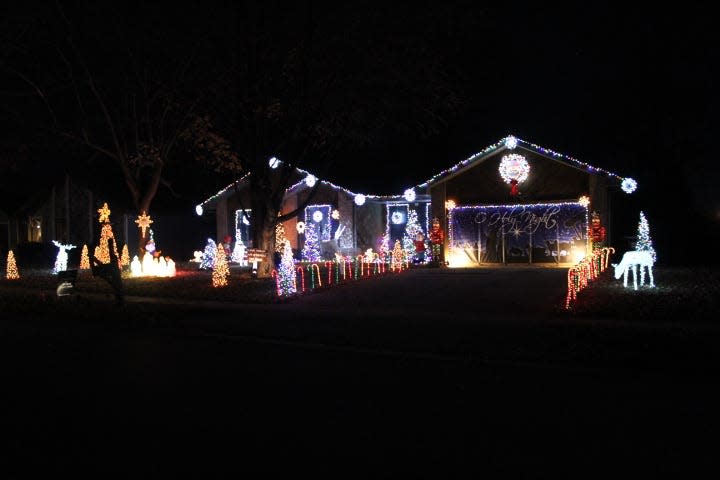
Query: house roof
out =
(299, 182)
(512, 143)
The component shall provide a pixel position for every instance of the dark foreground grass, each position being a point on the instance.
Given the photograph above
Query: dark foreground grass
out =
(189, 284)
(669, 327)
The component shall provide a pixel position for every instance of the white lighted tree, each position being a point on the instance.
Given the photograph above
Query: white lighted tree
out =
(644, 242)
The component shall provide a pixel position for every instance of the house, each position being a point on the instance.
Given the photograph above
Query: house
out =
(346, 222)
(514, 201)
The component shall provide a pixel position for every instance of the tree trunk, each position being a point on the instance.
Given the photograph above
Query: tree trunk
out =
(263, 219)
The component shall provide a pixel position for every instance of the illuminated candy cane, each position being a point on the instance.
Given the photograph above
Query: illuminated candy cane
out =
(302, 278)
(571, 293)
(329, 266)
(312, 274)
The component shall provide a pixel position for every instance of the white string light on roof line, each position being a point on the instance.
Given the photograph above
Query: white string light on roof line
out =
(508, 142)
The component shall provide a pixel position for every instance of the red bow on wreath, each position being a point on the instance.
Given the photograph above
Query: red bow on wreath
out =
(514, 187)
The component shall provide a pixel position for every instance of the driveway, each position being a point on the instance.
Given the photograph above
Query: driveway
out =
(471, 292)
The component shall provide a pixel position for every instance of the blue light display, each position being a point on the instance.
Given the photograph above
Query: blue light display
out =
(543, 230)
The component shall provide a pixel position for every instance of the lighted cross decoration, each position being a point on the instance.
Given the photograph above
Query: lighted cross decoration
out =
(143, 222)
(104, 213)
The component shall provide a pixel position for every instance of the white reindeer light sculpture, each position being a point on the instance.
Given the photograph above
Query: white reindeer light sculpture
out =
(632, 259)
(62, 256)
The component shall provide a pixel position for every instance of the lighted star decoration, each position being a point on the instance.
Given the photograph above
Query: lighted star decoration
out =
(143, 222)
(516, 231)
(335, 215)
(104, 213)
(584, 201)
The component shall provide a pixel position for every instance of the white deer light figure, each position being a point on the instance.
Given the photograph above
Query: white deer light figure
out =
(632, 259)
(62, 256)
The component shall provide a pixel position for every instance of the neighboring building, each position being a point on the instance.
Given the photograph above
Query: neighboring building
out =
(63, 211)
(545, 220)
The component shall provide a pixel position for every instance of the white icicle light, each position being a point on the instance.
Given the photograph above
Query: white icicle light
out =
(409, 194)
(310, 180)
(359, 199)
(628, 185)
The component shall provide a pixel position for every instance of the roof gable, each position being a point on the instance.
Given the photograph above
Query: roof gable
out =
(511, 143)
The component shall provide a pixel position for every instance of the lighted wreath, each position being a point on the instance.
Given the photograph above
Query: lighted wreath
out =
(514, 169)
(397, 218)
(300, 227)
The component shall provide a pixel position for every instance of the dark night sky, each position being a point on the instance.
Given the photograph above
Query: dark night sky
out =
(628, 89)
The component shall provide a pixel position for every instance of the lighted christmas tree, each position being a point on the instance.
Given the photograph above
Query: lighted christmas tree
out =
(84, 259)
(11, 272)
(412, 228)
(644, 242)
(384, 245)
(221, 271)
(287, 283)
(125, 257)
(280, 237)
(208, 257)
(311, 249)
(397, 256)
(101, 251)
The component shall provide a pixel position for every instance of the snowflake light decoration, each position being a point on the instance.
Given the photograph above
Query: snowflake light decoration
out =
(359, 199)
(335, 215)
(397, 218)
(584, 201)
(628, 185)
(317, 216)
(273, 162)
(409, 194)
(310, 180)
(511, 142)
